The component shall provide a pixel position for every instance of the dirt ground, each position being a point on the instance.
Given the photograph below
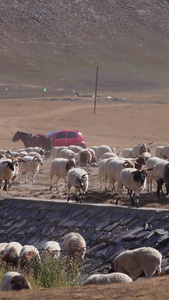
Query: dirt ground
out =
(118, 125)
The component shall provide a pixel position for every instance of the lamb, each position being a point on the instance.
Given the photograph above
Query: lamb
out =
(78, 178)
(135, 263)
(11, 253)
(135, 181)
(75, 245)
(59, 167)
(107, 278)
(27, 253)
(30, 164)
(52, 248)
(14, 281)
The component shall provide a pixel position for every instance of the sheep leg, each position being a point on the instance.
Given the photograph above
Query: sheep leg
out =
(5, 186)
(137, 201)
(68, 197)
(51, 177)
(80, 197)
(100, 181)
(167, 188)
(33, 177)
(131, 193)
(57, 179)
(159, 187)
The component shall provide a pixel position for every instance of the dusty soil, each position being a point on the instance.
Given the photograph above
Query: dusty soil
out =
(118, 125)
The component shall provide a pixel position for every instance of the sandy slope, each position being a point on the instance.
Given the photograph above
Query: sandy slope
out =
(116, 124)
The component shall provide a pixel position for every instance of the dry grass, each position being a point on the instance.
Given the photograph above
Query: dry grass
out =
(149, 289)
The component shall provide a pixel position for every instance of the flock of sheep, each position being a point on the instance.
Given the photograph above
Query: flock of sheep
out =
(134, 169)
(20, 257)
(128, 266)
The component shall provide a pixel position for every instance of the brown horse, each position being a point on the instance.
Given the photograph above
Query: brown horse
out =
(31, 140)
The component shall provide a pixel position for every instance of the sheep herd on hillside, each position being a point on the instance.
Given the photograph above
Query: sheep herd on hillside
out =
(131, 171)
(128, 266)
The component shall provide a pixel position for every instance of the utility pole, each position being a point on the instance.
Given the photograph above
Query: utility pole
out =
(96, 89)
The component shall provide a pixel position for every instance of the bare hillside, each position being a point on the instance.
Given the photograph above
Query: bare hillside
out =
(57, 44)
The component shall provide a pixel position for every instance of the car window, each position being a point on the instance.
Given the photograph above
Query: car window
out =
(60, 135)
(72, 134)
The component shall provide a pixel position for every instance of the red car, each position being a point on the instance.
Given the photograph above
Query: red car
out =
(66, 138)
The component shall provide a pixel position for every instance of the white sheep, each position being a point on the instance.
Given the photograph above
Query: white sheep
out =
(11, 253)
(14, 281)
(30, 165)
(103, 149)
(52, 248)
(146, 155)
(149, 165)
(22, 153)
(77, 178)
(161, 171)
(67, 153)
(35, 149)
(55, 152)
(114, 168)
(108, 155)
(127, 152)
(162, 151)
(75, 245)
(138, 149)
(74, 148)
(135, 181)
(94, 148)
(2, 248)
(159, 151)
(35, 154)
(135, 263)
(27, 253)
(59, 168)
(102, 170)
(107, 278)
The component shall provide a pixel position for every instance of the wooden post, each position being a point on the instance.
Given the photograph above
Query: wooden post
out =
(96, 90)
